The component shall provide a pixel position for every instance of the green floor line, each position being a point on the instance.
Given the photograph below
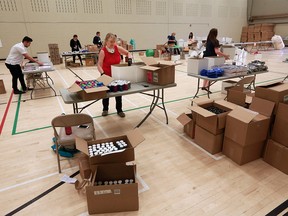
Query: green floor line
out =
(114, 113)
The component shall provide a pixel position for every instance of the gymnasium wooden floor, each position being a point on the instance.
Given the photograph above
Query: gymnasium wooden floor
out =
(179, 177)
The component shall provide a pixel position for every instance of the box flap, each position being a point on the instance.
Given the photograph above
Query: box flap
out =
(280, 87)
(227, 104)
(81, 145)
(135, 137)
(201, 111)
(105, 79)
(150, 68)
(149, 60)
(98, 89)
(202, 100)
(74, 88)
(262, 106)
(184, 119)
(242, 114)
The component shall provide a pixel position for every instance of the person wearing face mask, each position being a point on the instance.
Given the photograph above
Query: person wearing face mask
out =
(14, 60)
(75, 46)
(110, 55)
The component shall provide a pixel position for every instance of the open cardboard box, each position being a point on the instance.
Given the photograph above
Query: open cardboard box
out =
(159, 73)
(132, 138)
(214, 123)
(279, 133)
(188, 121)
(92, 93)
(276, 92)
(112, 198)
(214, 61)
(195, 65)
(133, 73)
(249, 126)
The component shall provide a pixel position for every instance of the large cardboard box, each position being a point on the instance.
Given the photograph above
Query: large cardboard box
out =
(276, 92)
(214, 123)
(208, 141)
(195, 65)
(215, 61)
(257, 28)
(267, 27)
(244, 29)
(92, 93)
(188, 121)
(89, 62)
(113, 198)
(242, 154)
(159, 74)
(249, 126)
(133, 73)
(236, 97)
(280, 128)
(2, 87)
(132, 138)
(267, 36)
(277, 155)
(226, 84)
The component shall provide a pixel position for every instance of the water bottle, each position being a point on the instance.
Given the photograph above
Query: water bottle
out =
(68, 129)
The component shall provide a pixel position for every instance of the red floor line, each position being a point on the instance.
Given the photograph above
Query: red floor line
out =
(5, 113)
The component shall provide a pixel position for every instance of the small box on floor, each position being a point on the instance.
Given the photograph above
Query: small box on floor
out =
(188, 121)
(113, 189)
(89, 61)
(279, 133)
(2, 87)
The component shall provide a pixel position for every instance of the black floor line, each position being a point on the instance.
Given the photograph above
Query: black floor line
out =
(279, 209)
(39, 196)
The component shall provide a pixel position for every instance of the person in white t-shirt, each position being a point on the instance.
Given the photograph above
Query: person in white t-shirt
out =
(14, 60)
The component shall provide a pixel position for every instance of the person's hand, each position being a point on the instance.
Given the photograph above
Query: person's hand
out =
(227, 57)
(40, 63)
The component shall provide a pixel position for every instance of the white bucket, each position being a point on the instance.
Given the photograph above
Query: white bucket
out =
(43, 57)
(175, 57)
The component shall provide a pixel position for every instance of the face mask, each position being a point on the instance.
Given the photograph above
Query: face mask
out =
(110, 50)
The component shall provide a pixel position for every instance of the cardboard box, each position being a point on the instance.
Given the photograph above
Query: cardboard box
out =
(226, 84)
(267, 27)
(53, 46)
(188, 121)
(113, 198)
(267, 35)
(250, 28)
(92, 93)
(92, 48)
(89, 61)
(236, 97)
(276, 92)
(208, 141)
(84, 167)
(214, 61)
(133, 73)
(277, 155)
(244, 29)
(242, 154)
(2, 87)
(195, 65)
(159, 74)
(212, 122)
(257, 28)
(279, 133)
(249, 126)
(132, 138)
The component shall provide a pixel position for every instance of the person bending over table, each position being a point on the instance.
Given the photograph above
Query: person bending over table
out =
(15, 59)
(212, 49)
(75, 46)
(110, 55)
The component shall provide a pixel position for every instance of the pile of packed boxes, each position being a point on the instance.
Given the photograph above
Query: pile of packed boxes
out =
(243, 133)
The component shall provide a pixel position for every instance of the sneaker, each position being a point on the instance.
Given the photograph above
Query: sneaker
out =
(30, 89)
(105, 113)
(18, 92)
(121, 114)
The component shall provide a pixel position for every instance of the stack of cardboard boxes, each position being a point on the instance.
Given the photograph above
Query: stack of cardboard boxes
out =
(267, 32)
(257, 32)
(250, 33)
(244, 34)
(54, 54)
(117, 195)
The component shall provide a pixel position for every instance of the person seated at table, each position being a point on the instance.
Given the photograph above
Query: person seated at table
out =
(212, 49)
(76, 46)
(108, 56)
(172, 42)
(97, 40)
(191, 42)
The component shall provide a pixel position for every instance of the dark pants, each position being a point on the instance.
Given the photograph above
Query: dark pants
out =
(16, 73)
(79, 56)
(118, 99)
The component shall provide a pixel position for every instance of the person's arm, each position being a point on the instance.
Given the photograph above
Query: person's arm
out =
(95, 40)
(79, 44)
(124, 52)
(219, 53)
(100, 62)
(71, 44)
(31, 59)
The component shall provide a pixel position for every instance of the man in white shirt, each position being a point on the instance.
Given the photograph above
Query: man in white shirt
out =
(14, 60)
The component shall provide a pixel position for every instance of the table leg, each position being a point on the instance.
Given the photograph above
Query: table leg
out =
(163, 106)
(75, 108)
(198, 86)
(46, 78)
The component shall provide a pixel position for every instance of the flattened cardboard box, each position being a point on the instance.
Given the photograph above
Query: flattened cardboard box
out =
(242, 154)
(280, 128)
(277, 155)
(133, 138)
(92, 93)
(208, 141)
(212, 122)
(252, 126)
(112, 198)
(159, 74)
(276, 92)
(188, 121)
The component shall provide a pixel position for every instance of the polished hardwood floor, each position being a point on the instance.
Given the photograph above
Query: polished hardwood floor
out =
(180, 178)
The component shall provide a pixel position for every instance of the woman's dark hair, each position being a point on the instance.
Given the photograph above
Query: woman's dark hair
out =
(190, 35)
(212, 36)
(75, 36)
(27, 39)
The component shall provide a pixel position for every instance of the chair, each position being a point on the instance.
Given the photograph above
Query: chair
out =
(72, 120)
